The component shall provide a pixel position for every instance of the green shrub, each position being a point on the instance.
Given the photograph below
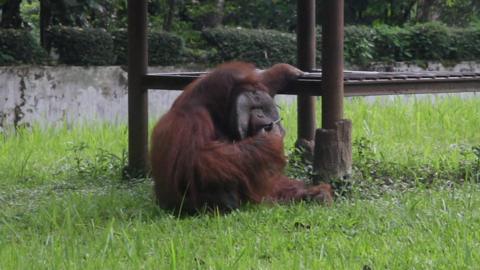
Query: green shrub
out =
(120, 46)
(262, 47)
(363, 45)
(19, 47)
(391, 44)
(466, 44)
(358, 45)
(75, 46)
(163, 48)
(429, 41)
(78, 46)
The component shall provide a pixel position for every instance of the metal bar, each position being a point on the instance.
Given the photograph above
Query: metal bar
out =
(396, 87)
(167, 82)
(348, 75)
(137, 93)
(310, 84)
(332, 63)
(435, 86)
(306, 49)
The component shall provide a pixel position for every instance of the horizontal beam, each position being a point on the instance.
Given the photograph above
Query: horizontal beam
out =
(169, 81)
(353, 87)
(407, 87)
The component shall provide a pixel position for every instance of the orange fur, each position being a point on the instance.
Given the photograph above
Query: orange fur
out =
(196, 165)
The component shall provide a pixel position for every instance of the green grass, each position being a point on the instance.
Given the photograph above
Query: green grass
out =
(408, 130)
(413, 202)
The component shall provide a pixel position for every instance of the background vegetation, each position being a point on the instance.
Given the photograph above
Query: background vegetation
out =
(212, 31)
(363, 46)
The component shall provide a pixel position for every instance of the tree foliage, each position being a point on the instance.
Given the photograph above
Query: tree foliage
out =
(399, 12)
(186, 15)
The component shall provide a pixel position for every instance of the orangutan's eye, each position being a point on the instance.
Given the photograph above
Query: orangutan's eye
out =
(268, 127)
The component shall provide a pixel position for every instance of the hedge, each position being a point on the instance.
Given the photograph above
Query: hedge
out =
(267, 47)
(19, 47)
(363, 45)
(358, 44)
(82, 46)
(430, 41)
(465, 45)
(390, 43)
(262, 47)
(163, 48)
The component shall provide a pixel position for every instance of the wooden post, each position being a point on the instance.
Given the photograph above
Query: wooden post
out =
(137, 93)
(306, 46)
(333, 152)
(333, 147)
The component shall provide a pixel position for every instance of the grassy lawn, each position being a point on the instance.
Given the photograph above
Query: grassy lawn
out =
(413, 201)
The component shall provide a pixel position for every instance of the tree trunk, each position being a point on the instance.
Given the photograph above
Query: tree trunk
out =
(407, 12)
(333, 152)
(45, 22)
(11, 15)
(218, 15)
(424, 14)
(220, 7)
(168, 21)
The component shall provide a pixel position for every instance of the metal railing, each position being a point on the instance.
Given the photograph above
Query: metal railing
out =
(356, 83)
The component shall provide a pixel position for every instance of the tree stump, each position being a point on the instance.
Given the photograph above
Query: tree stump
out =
(306, 149)
(333, 152)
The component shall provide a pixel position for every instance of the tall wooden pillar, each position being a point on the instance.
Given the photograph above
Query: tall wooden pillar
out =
(306, 50)
(333, 148)
(137, 93)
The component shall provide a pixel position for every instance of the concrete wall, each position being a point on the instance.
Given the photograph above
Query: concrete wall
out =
(431, 66)
(59, 94)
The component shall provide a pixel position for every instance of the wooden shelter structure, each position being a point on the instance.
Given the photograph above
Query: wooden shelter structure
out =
(332, 153)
